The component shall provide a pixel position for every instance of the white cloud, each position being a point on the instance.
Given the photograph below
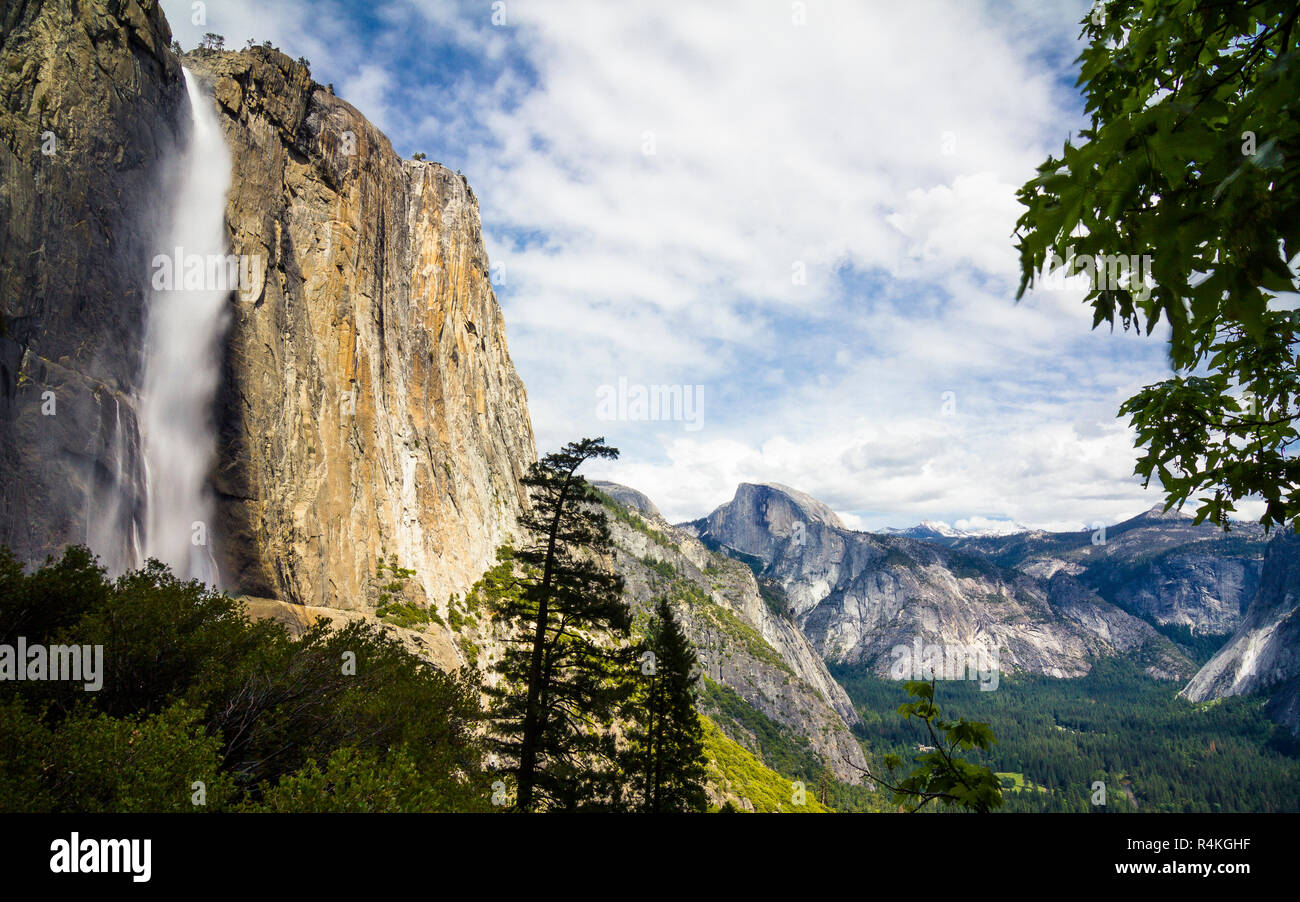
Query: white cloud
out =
(967, 222)
(827, 146)
(367, 90)
(875, 149)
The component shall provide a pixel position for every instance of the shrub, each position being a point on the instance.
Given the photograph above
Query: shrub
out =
(192, 690)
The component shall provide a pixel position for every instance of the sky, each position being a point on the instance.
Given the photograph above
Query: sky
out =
(794, 217)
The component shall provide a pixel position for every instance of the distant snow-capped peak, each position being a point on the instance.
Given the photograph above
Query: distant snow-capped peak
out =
(967, 529)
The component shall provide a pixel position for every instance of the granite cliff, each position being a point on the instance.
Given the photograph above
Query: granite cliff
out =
(368, 408)
(371, 408)
(92, 108)
(746, 645)
(1263, 655)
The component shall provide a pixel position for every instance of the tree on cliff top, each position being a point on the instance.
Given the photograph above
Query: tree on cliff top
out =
(1193, 158)
(567, 668)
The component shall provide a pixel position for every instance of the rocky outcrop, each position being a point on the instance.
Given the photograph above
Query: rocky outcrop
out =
(741, 641)
(629, 498)
(859, 596)
(433, 645)
(92, 107)
(762, 517)
(1263, 654)
(370, 407)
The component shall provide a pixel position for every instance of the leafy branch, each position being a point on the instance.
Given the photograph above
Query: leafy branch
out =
(940, 775)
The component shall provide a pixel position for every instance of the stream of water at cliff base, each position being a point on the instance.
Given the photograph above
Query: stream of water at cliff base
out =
(184, 333)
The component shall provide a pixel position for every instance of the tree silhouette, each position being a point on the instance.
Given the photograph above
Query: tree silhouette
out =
(568, 666)
(668, 739)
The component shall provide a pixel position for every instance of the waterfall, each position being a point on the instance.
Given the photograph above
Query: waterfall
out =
(184, 332)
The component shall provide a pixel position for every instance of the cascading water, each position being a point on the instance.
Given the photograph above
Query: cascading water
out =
(185, 328)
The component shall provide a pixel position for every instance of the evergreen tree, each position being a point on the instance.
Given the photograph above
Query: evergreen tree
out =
(668, 743)
(568, 666)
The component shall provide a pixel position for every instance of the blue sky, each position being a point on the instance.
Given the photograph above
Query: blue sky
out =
(805, 209)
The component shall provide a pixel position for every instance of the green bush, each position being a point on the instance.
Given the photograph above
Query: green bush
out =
(92, 762)
(353, 781)
(194, 691)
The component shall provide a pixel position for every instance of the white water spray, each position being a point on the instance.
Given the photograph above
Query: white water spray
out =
(182, 358)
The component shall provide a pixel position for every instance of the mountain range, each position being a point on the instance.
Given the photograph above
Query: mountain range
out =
(1050, 604)
(940, 531)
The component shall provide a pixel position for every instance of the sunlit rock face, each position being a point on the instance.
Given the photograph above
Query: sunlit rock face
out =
(366, 403)
(370, 408)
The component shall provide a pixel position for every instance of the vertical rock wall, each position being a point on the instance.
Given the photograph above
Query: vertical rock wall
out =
(370, 406)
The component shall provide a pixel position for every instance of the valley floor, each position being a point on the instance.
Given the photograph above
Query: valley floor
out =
(1056, 739)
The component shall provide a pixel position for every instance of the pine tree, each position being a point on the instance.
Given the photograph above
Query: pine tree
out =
(569, 665)
(668, 743)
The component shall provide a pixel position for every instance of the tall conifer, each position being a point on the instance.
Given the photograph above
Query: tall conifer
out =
(568, 667)
(668, 743)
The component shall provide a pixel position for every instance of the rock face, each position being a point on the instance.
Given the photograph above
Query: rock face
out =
(92, 106)
(859, 596)
(742, 643)
(1158, 566)
(762, 517)
(1196, 590)
(1263, 655)
(370, 407)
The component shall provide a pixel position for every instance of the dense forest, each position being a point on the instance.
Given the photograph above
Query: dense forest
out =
(1057, 738)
